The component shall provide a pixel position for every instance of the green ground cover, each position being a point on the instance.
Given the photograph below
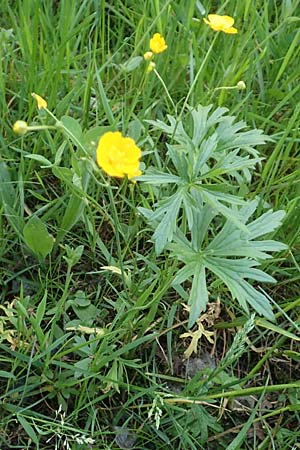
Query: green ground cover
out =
(161, 311)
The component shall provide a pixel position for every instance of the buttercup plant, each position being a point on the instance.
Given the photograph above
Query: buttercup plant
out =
(207, 164)
(201, 219)
(157, 45)
(118, 156)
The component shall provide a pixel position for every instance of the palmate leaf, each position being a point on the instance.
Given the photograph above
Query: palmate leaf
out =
(200, 218)
(240, 289)
(175, 129)
(232, 255)
(206, 149)
(202, 122)
(230, 164)
(164, 219)
(231, 241)
(157, 177)
(229, 213)
(203, 169)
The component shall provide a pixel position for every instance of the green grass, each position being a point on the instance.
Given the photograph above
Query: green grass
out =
(91, 352)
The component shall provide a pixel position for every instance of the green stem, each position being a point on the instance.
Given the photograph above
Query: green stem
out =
(61, 302)
(116, 224)
(60, 125)
(166, 89)
(236, 393)
(197, 76)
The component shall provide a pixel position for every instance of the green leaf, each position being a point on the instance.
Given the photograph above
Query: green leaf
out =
(76, 204)
(82, 368)
(233, 274)
(132, 64)
(204, 223)
(105, 103)
(270, 326)
(211, 199)
(81, 299)
(28, 429)
(198, 297)
(157, 177)
(165, 229)
(207, 147)
(200, 122)
(184, 273)
(73, 128)
(266, 223)
(9, 375)
(198, 421)
(92, 136)
(37, 237)
(231, 241)
(135, 129)
(242, 436)
(73, 254)
(59, 153)
(8, 196)
(86, 314)
(64, 174)
(201, 221)
(7, 191)
(40, 312)
(41, 159)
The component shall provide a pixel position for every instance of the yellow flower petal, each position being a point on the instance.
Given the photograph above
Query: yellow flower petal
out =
(231, 30)
(41, 103)
(221, 23)
(118, 156)
(158, 44)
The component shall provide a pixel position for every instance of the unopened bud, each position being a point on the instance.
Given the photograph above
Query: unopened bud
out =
(148, 56)
(151, 66)
(241, 85)
(20, 127)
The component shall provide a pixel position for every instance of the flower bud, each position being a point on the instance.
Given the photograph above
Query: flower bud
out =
(41, 102)
(151, 66)
(241, 85)
(148, 56)
(20, 127)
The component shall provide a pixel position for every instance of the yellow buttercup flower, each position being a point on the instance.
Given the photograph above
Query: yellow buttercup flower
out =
(221, 23)
(20, 127)
(41, 103)
(158, 44)
(118, 156)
